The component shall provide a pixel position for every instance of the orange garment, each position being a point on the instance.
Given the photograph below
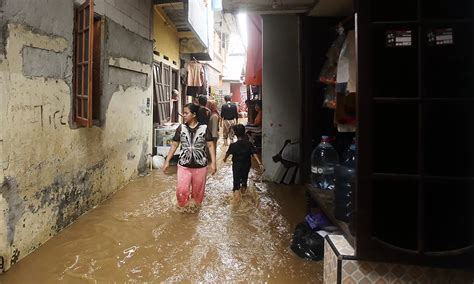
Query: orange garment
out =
(258, 119)
(253, 71)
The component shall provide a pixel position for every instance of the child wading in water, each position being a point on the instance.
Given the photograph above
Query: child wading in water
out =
(241, 152)
(192, 164)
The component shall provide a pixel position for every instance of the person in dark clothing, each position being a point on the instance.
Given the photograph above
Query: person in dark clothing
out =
(242, 152)
(230, 117)
(204, 114)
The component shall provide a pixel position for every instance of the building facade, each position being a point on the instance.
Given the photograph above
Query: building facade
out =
(62, 154)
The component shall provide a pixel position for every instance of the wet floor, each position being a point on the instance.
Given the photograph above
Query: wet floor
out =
(138, 235)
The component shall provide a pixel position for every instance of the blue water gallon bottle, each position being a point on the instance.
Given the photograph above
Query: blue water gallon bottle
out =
(345, 183)
(323, 160)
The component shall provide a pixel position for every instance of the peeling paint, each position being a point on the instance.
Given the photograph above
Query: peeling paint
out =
(126, 63)
(45, 63)
(59, 173)
(27, 36)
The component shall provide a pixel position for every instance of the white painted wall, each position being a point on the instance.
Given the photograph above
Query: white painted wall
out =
(281, 87)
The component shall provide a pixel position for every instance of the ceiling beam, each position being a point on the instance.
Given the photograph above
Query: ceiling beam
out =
(185, 34)
(160, 2)
(175, 5)
(268, 11)
(163, 16)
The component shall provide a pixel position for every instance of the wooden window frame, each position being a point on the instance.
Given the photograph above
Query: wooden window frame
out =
(162, 76)
(175, 104)
(86, 72)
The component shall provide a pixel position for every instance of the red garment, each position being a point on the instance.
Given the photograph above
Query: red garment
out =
(258, 119)
(253, 72)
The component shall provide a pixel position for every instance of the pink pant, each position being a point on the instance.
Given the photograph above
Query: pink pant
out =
(196, 178)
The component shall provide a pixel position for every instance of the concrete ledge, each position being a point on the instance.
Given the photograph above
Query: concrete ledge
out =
(124, 63)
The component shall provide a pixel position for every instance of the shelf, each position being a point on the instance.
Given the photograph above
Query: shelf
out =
(407, 22)
(325, 200)
(424, 21)
(425, 99)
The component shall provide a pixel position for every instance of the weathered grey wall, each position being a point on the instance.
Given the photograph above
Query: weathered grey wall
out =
(45, 63)
(127, 45)
(281, 87)
(2, 27)
(135, 15)
(52, 172)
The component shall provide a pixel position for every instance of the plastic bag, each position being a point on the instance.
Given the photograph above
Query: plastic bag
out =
(307, 243)
(329, 97)
(317, 221)
(329, 71)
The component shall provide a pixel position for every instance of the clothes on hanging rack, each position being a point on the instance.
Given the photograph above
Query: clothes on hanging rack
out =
(346, 86)
(347, 66)
(195, 74)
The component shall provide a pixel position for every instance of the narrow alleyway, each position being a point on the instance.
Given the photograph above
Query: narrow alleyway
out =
(138, 235)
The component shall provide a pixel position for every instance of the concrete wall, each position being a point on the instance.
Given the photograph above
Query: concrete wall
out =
(225, 88)
(166, 41)
(281, 91)
(52, 172)
(136, 16)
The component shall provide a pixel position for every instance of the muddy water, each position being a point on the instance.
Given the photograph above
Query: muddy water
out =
(139, 235)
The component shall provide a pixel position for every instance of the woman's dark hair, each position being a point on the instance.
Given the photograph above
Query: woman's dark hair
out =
(192, 108)
(202, 100)
(239, 130)
(258, 103)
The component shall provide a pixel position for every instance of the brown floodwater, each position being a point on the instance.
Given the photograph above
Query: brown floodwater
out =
(138, 235)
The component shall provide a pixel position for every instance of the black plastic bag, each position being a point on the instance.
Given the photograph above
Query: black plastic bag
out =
(307, 243)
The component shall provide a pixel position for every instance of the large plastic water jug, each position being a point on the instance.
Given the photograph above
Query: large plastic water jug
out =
(323, 160)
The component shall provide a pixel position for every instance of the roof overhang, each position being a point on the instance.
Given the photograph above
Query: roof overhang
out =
(320, 8)
(268, 6)
(175, 13)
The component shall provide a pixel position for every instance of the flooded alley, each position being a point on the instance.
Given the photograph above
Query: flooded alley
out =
(139, 235)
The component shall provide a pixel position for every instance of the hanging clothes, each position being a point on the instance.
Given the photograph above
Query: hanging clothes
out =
(351, 54)
(205, 80)
(346, 58)
(329, 71)
(195, 74)
(193, 91)
(346, 86)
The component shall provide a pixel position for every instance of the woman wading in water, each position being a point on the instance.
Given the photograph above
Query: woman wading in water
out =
(192, 165)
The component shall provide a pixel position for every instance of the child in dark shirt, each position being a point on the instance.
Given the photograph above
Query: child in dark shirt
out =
(241, 152)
